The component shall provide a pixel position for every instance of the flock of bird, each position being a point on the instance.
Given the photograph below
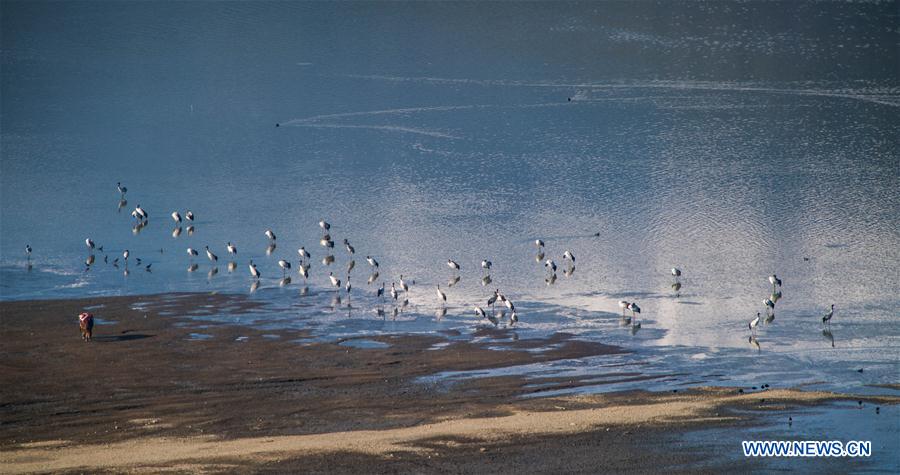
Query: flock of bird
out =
(141, 218)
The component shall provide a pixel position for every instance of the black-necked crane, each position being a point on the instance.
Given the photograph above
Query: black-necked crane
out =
(394, 293)
(231, 248)
(285, 266)
(122, 189)
(380, 292)
(125, 255)
(372, 262)
(826, 319)
(189, 215)
(304, 271)
(550, 265)
(192, 252)
(539, 243)
(486, 265)
(254, 271)
(404, 285)
(303, 253)
(568, 255)
(28, 251)
(270, 235)
(513, 319)
(774, 280)
(634, 310)
(350, 249)
(335, 282)
(176, 217)
(453, 264)
(770, 306)
(324, 225)
(212, 257)
(754, 323)
(89, 243)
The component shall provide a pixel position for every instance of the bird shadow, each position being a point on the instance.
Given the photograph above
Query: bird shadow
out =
(128, 337)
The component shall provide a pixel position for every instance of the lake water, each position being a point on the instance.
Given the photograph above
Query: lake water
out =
(732, 140)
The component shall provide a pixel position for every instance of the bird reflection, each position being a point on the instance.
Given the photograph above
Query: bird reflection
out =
(122, 203)
(676, 287)
(89, 261)
(379, 312)
(232, 266)
(193, 267)
(486, 280)
(551, 280)
(828, 336)
(254, 286)
(539, 257)
(770, 317)
(327, 260)
(775, 297)
(126, 272)
(190, 230)
(336, 300)
(176, 232)
(212, 272)
(270, 249)
(136, 229)
(635, 328)
(453, 281)
(284, 281)
(568, 272)
(625, 321)
(441, 312)
(753, 342)
(372, 277)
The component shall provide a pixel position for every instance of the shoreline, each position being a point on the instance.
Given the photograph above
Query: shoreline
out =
(144, 396)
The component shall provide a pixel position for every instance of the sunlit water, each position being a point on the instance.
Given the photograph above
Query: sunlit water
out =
(730, 140)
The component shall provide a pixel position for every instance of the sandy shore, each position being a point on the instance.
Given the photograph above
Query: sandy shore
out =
(145, 397)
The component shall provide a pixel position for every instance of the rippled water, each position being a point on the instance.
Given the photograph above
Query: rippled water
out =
(731, 140)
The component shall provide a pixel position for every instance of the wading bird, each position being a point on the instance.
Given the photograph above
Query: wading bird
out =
(212, 257)
(86, 325)
(122, 189)
(189, 215)
(393, 291)
(270, 235)
(568, 255)
(89, 243)
(254, 271)
(176, 217)
(303, 253)
(539, 243)
(676, 273)
(28, 251)
(380, 292)
(753, 323)
(452, 264)
(770, 306)
(192, 252)
(404, 285)
(550, 265)
(634, 310)
(372, 262)
(285, 266)
(774, 280)
(827, 318)
(350, 248)
(335, 282)
(324, 225)
(486, 265)
(231, 248)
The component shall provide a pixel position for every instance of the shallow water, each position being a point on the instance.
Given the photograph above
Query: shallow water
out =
(732, 140)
